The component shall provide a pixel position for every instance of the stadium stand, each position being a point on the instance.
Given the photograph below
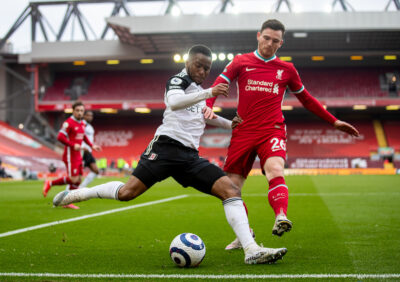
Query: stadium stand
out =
(317, 138)
(392, 133)
(149, 85)
(311, 144)
(343, 82)
(128, 140)
(19, 151)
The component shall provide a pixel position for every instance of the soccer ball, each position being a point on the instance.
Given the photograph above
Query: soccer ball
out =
(187, 250)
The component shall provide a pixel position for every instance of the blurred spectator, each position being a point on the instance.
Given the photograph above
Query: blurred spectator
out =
(3, 173)
(52, 168)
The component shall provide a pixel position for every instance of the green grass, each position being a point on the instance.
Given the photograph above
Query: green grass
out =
(342, 224)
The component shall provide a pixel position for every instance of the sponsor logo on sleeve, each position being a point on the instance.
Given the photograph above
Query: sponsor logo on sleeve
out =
(176, 81)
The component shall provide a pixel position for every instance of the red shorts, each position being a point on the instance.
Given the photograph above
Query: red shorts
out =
(244, 148)
(73, 164)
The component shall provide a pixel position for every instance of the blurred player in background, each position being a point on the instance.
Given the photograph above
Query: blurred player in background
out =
(262, 80)
(174, 152)
(71, 135)
(88, 159)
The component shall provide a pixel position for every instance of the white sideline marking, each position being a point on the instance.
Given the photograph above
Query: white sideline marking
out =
(206, 276)
(9, 233)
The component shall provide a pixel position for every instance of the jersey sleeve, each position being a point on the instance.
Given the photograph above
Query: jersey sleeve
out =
(229, 74)
(176, 85)
(314, 106)
(295, 84)
(87, 141)
(63, 134)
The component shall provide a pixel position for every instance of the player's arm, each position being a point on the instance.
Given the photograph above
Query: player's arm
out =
(211, 101)
(229, 74)
(314, 106)
(93, 146)
(63, 135)
(177, 99)
(219, 121)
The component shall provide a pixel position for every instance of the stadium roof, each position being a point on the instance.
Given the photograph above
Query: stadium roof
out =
(367, 31)
(337, 34)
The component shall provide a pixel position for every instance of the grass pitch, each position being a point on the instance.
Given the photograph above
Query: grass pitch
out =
(342, 225)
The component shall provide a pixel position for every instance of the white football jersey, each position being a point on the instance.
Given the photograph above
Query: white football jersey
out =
(185, 125)
(89, 132)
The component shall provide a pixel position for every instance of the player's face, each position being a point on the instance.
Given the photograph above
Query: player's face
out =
(88, 117)
(198, 67)
(78, 112)
(269, 41)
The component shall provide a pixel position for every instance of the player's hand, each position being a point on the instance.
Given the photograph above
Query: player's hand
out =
(96, 148)
(220, 89)
(236, 121)
(77, 147)
(208, 113)
(346, 127)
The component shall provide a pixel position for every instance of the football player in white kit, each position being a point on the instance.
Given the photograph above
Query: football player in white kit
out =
(88, 159)
(173, 152)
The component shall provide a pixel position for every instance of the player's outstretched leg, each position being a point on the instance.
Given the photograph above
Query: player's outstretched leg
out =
(115, 190)
(104, 191)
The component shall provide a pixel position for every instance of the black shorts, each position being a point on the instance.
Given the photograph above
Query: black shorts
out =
(88, 158)
(165, 157)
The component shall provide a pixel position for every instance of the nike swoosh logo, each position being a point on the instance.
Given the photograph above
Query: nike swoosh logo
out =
(247, 69)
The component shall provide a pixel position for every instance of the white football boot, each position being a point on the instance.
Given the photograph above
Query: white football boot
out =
(282, 225)
(236, 243)
(255, 254)
(68, 197)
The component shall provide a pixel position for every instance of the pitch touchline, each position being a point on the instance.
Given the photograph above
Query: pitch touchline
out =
(205, 276)
(9, 233)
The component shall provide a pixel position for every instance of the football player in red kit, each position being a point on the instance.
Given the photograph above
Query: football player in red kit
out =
(71, 135)
(262, 80)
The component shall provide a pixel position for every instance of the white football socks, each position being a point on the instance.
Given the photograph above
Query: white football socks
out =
(237, 218)
(107, 190)
(89, 178)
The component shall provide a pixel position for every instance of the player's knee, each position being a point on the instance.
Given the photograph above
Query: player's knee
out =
(224, 189)
(274, 170)
(125, 194)
(233, 191)
(131, 190)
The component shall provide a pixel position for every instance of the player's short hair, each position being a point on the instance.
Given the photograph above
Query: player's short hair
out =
(202, 49)
(77, 104)
(88, 111)
(273, 24)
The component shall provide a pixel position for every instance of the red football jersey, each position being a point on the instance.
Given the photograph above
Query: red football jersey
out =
(261, 84)
(74, 130)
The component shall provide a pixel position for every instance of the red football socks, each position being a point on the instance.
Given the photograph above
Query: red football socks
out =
(278, 195)
(61, 181)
